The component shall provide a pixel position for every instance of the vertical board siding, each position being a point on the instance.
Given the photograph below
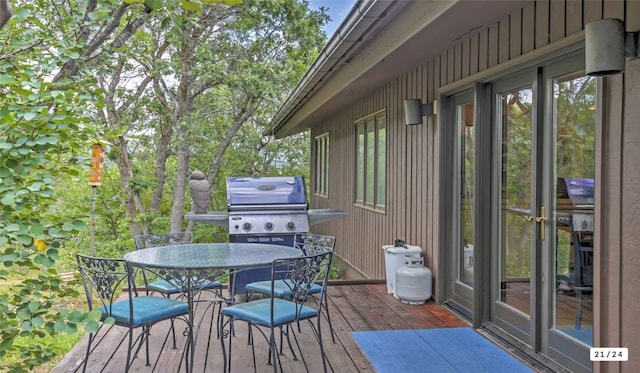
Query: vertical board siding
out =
(474, 55)
(515, 35)
(459, 63)
(528, 28)
(493, 45)
(592, 11)
(466, 58)
(574, 17)
(483, 50)
(504, 40)
(629, 290)
(542, 32)
(556, 20)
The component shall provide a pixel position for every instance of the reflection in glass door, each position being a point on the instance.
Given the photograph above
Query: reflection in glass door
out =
(466, 127)
(463, 188)
(543, 192)
(574, 122)
(516, 210)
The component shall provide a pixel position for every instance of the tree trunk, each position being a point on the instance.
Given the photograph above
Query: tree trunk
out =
(246, 112)
(126, 174)
(162, 153)
(180, 189)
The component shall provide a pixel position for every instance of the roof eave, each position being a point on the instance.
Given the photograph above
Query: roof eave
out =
(377, 40)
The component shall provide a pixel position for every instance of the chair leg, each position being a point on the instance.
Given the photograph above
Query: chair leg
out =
(579, 296)
(273, 351)
(173, 334)
(318, 334)
(86, 357)
(289, 330)
(326, 309)
(322, 355)
(130, 347)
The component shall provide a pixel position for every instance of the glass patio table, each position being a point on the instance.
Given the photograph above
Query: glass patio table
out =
(191, 266)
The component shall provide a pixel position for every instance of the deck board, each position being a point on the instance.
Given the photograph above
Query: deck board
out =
(353, 307)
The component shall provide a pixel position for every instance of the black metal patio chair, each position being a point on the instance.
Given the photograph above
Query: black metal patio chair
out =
(104, 280)
(308, 243)
(267, 315)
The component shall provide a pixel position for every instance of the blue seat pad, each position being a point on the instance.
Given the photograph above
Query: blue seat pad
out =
(281, 288)
(259, 312)
(173, 287)
(146, 309)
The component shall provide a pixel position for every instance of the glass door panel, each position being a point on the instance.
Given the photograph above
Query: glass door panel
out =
(574, 122)
(516, 109)
(466, 223)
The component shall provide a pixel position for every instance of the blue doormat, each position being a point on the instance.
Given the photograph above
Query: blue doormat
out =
(435, 350)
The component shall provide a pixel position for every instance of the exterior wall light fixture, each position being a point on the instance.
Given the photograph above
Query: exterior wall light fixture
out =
(414, 110)
(607, 45)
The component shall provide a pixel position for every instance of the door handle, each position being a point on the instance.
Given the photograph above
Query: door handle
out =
(542, 219)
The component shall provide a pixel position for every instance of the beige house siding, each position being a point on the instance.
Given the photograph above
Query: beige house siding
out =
(412, 199)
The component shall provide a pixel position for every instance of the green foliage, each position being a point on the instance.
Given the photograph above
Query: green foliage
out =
(43, 131)
(247, 61)
(190, 5)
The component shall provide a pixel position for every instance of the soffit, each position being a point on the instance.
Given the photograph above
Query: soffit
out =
(377, 42)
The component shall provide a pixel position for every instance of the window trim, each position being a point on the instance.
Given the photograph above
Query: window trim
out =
(321, 154)
(365, 170)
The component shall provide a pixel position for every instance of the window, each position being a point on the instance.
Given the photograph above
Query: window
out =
(322, 165)
(371, 154)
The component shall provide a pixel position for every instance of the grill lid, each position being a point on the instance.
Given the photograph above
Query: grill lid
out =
(268, 192)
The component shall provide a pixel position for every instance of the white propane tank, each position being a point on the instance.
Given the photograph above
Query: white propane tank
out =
(413, 283)
(396, 256)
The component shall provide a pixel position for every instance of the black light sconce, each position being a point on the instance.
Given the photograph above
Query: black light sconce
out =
(414, 110)
(607, 45)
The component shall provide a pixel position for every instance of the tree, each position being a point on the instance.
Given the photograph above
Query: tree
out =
(208, 73)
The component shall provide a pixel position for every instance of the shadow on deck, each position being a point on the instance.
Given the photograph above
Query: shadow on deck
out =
(353, 307)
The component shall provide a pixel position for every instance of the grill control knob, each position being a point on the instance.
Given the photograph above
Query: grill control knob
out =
(246, 226)
(268, 226)
(290, 225)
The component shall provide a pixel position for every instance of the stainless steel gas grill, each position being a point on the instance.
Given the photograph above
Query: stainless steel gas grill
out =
(265, 210)
(264, 207)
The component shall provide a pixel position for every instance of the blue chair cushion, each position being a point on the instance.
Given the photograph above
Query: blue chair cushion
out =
(259, 312)
(146, 309)
(281, 288)
(172, 286)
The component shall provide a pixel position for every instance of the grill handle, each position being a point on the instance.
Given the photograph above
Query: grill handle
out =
(265, 207)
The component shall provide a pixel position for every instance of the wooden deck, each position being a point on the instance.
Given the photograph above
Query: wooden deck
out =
(352, 307)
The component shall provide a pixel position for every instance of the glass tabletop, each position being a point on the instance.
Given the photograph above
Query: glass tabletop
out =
(210, 255)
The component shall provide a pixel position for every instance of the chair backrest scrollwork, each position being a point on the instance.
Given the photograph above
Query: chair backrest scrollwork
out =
(103, 280)
(311, 243)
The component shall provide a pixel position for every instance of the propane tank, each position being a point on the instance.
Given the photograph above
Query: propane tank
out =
(413, 283)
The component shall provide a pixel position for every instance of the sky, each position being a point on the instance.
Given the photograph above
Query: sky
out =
(337, 10)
